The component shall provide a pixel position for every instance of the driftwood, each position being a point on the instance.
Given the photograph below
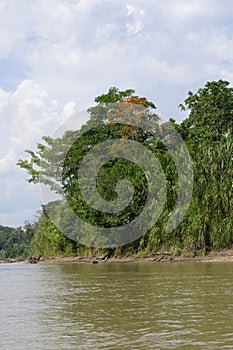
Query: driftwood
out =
(99, 258)
(34, 259)
(162, 257)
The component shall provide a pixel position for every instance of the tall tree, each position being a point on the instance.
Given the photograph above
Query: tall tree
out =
(56, 162)
(211, 112)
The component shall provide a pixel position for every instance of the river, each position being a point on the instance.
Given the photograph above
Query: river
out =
(116, 306)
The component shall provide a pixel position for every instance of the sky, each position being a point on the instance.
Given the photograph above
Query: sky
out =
(57, 55)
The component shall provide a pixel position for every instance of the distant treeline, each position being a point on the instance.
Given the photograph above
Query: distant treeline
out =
(207, 131)
(16, 242)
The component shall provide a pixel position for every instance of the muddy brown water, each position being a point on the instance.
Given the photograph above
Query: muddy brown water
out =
(116, 306)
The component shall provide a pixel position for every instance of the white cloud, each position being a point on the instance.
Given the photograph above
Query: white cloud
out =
(136, 25)
(26, 115)
(6, 161)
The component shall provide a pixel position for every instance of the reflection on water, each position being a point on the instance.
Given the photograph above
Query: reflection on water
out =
(116, 306)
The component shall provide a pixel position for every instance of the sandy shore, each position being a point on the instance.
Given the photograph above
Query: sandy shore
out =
(225, 256)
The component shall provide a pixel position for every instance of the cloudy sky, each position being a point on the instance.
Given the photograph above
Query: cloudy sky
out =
(57, 55)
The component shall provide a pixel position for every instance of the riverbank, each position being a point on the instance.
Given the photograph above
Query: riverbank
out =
(224, 256)
(12, 261)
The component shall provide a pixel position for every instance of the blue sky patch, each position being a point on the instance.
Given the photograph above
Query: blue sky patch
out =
(12, 72)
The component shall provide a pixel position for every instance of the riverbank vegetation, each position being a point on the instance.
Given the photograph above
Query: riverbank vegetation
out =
(207, 132)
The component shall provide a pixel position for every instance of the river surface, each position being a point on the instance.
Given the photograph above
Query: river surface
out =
(116, 306)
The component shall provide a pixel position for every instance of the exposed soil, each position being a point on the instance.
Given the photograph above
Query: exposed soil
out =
(224, 256)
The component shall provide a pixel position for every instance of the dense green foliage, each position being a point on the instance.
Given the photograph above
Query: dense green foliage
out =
(49, 240)
(16, 242)
(207, 132)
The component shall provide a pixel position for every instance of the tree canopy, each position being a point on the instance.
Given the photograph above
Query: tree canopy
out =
(211, 112)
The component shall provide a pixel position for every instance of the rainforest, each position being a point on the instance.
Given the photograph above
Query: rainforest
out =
(208, 221)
